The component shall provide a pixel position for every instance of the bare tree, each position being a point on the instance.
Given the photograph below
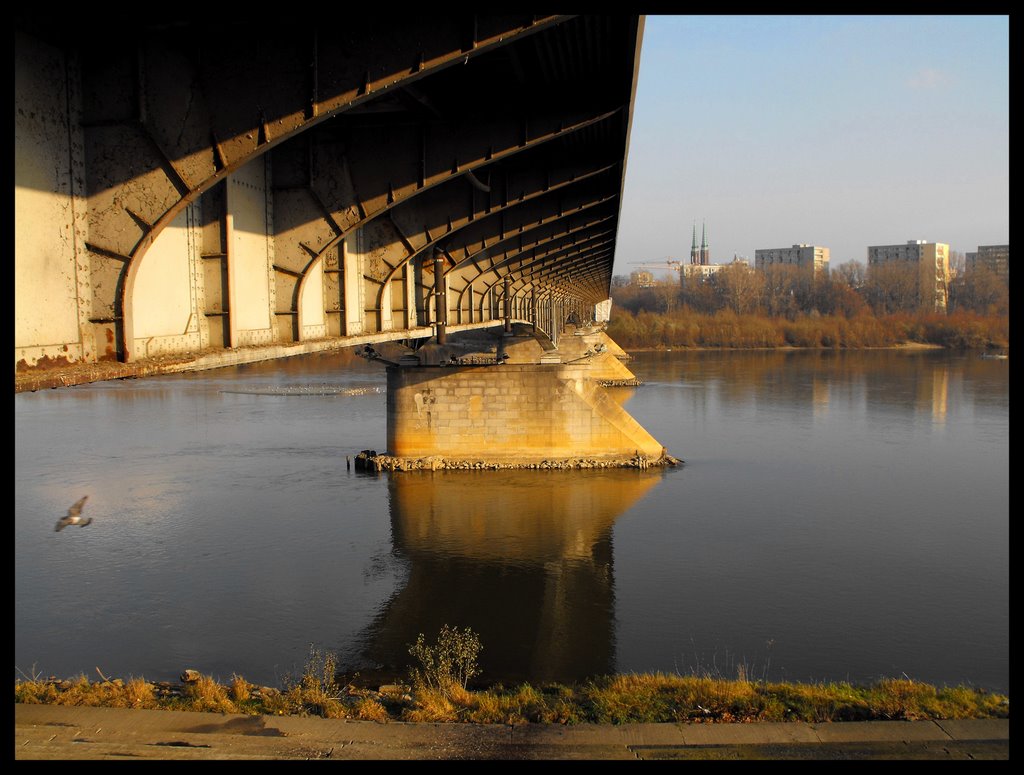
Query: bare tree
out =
(836, 297)
(668, 294)
(700, 295)
(980, 290)
(853, 273)
(892, 286)
(956, 263)
(739, 288)
(779, 291)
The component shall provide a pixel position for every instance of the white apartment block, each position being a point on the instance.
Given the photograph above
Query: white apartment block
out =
(641, 278)
(812, 258)
(691, 273)
(931, 260)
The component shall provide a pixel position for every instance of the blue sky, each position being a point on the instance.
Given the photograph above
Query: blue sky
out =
(841, 131)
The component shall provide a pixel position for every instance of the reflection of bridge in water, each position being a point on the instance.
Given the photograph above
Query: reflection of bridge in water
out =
(524, 559)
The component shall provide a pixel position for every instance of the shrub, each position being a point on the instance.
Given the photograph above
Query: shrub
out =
(449, 663)
(208, 695)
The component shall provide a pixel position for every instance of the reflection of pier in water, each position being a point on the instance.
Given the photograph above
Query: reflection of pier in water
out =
(524, 558)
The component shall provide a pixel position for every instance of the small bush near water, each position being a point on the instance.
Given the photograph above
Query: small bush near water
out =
(449, 664)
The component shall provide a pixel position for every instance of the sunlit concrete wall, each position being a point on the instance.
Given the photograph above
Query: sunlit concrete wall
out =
(167, 294)
(606, 364)
(354, 287)
(166, 297)
(512, 412)
(313, 303)
(251, 287)
(51, 273)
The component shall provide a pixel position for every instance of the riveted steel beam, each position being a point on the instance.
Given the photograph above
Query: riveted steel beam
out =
(425, 239)
(554, 251)
(366, 131)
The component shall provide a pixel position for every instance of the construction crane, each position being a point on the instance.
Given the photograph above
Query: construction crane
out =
(670, 263)
(667, 263)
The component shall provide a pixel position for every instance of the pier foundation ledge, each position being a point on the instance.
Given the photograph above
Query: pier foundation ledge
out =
(516, 402)
(370, 461)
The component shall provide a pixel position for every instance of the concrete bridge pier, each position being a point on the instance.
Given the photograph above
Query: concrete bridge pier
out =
(523, 406)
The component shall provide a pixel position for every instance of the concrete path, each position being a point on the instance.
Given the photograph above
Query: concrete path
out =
(58, 732)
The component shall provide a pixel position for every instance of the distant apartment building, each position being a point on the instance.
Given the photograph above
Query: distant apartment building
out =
(641, 279)
(931, 260)
(995, 258)
(810, 258)
(691, 273)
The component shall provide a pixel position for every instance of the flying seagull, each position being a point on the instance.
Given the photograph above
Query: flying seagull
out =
(74, 516)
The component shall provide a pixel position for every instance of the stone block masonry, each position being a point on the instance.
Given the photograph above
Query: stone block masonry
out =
(511, 414)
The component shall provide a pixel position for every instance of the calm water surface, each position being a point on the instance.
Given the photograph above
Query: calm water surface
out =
(841, 516)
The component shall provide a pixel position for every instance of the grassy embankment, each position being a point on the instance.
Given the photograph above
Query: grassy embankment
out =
(617, 699)
(684, 329)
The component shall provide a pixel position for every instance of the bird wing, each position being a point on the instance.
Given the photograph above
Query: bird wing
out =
(62, 523)
(76, 509)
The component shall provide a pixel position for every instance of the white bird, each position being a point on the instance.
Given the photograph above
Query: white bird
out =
(74, 516)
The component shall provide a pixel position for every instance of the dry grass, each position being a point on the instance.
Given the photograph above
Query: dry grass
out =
(369, 709)
(432, 705)
(135, 693)
(205, 694)
(239, 689)
(629, 698)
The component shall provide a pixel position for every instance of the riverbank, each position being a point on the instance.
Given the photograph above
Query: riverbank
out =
(727, 329)
(620, 699)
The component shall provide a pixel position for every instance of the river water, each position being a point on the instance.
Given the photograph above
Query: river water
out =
(840, 516)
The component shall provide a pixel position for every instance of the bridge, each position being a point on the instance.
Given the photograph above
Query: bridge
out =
(203, 191)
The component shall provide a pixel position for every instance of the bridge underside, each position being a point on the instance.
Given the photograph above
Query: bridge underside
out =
(196, 190)
(191, 194)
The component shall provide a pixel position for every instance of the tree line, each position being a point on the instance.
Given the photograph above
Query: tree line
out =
(785, 291)
(781, 306)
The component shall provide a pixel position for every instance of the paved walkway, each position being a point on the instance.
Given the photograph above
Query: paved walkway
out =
(58, 732)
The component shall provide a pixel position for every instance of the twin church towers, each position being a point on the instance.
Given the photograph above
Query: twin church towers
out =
(700, 256)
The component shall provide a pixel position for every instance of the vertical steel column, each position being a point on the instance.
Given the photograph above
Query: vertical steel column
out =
(556, 314)
(508, 306)
(231, 265)
(440, 297)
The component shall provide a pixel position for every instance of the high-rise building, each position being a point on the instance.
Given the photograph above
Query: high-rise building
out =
(811, 258)
(931, 260)
(995, 258)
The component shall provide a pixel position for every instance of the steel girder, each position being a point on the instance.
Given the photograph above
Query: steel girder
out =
(408, 133)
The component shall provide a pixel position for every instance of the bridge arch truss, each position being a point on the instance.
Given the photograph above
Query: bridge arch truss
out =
(188, 187)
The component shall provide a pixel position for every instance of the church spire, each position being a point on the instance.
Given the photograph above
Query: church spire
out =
(694, 259)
